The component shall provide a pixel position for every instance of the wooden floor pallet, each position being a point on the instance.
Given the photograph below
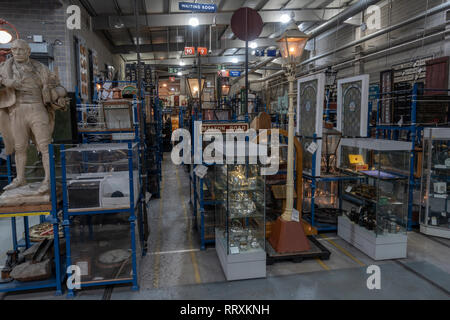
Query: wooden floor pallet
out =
(317, 250)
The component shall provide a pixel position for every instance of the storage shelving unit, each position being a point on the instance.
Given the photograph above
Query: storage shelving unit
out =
(411, 131)
(50, 211)
(130, 211)
(435, 194)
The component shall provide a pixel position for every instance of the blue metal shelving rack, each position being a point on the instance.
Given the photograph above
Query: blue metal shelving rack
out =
(414, 134)
(131, 210)
(52, 216)
(138, 111)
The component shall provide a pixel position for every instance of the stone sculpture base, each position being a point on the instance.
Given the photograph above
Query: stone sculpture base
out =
(25, 195)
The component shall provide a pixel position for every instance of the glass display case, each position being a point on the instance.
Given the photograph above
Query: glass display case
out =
(435, 186)
(118, 114)
(240, 220)
(98, 176)
(101, 246)
(377, 205)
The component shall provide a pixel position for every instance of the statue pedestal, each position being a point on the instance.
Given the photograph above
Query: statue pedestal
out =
(25, 195)
(288, 237)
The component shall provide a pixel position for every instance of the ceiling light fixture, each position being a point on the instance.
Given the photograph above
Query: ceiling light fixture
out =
(193, 22)
(179, 73)
(253, 45)
(285, 18)
(234, 60)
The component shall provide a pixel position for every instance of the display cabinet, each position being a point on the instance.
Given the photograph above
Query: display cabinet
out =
(377, 204)
(435, 186)
(240, 220)
(103, 217)
(118, 114)
(98, 176)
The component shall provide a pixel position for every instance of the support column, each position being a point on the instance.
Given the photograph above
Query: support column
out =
(447, 39)
(287, 215)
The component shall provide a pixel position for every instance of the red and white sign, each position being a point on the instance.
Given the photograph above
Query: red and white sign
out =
(223, 73)
(202, 51)
(189, 51)
(223, 127)
(172, 79)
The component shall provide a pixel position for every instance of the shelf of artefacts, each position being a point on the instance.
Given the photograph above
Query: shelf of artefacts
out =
(376, 206)
(34, 262)
(102, 207)
(322, 201)
(403, 114)
(435, 186)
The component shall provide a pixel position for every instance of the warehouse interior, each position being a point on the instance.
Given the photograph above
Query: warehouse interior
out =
(349, 100)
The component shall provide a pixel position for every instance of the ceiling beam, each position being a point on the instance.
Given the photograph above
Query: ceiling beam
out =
(205, 60)
(175, 46)
(224, 18)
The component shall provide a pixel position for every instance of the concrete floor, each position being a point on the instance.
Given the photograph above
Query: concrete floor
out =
(175, 267)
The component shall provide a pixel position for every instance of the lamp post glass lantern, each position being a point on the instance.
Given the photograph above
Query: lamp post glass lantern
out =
(291, 45)
(330, 77)
(225, 90)
(194, 88)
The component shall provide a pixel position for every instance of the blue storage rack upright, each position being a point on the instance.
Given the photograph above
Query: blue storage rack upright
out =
(414, 135)
(56, 280)
(131, 210)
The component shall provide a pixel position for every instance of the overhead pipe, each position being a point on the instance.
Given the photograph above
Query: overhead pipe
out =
(341, 17)
(430, 12)
(353, 60)
(333, 22)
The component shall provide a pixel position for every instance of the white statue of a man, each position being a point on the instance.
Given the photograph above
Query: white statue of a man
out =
(29, 95)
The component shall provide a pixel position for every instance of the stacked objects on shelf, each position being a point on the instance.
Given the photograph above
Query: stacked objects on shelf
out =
(153, 142)
(347, 109)
(35, 261)
(432, 108)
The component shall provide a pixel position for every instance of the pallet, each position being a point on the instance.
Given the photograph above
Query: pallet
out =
(317, 250)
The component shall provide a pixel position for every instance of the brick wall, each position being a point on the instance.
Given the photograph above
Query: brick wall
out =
(48, 18)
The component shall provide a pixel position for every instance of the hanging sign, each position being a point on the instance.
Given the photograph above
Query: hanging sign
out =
(189, 51)
(172, 79)
(202, 51)
(198, 7)
(271, 53)
(173, 70)
(223, 127)
(235, 73)
(259, 52)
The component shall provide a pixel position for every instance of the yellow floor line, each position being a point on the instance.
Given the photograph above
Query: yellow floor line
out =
(348, 254)
(322, 264)
(192, 253)
(158, 239)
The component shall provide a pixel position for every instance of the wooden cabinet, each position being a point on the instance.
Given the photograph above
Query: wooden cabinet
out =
(437, 75)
